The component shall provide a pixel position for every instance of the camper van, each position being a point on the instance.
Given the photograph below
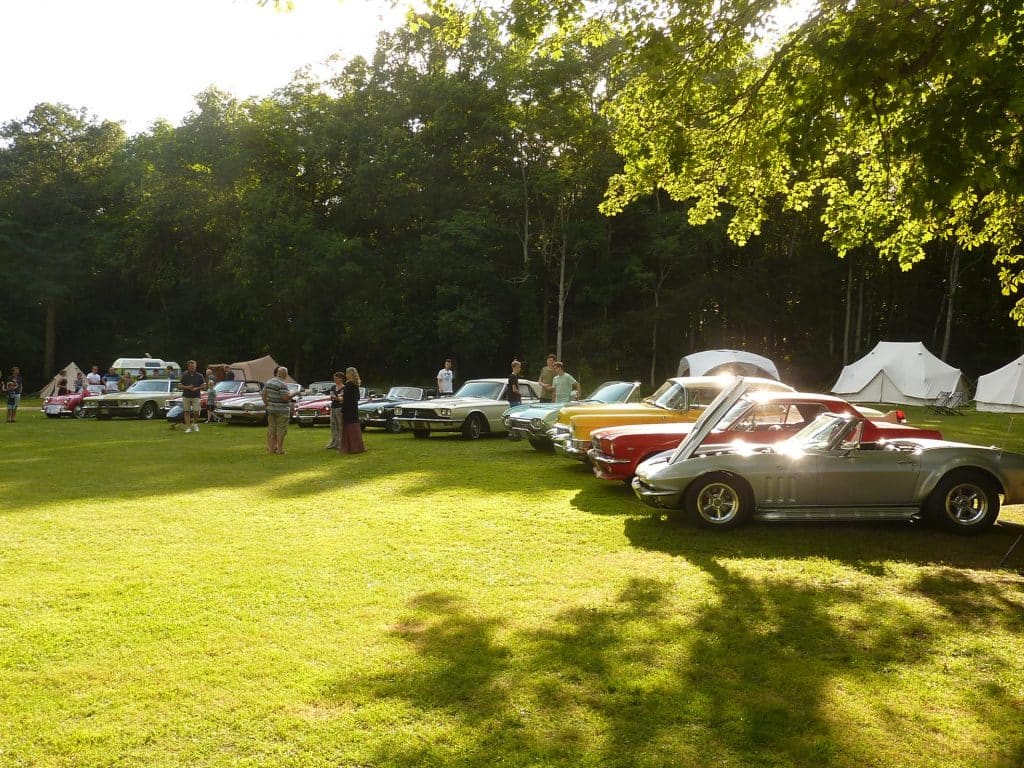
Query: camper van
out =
(154, 367)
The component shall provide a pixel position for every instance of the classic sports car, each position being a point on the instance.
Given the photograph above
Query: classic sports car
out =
(475, 409)
(72, 404)
(380, 412)
(316, 409)
(683, 398)
(757, 417)
(225, 390)
(829, 471)
(143, 399)
(534, 420)
(247, 409)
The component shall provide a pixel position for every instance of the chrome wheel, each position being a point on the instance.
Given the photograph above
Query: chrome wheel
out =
(964, 502)
(720, 501)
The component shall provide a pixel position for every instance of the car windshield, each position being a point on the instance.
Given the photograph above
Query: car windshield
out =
(405, 393)
(676, 397)
(226, 386)
(489, 390)
(822, 432)
(149, 386)
(611, 392)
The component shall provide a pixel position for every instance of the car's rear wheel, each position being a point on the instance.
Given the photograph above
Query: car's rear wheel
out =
(421, 433)
(540, 444)
(147, 411)
(391, 426)
(965, 502)
(472, 428)
(719, 500)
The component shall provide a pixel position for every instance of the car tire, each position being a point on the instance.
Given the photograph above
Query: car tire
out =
(719, 500)
(472, 428)
(147, 411)
(965, 501)
(78, 412)
(421, 433)
(305, 425)
(391, 426)
(52, 415)
(540, 444)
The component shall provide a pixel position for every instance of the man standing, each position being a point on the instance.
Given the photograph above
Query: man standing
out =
(111, 379)
(278, 399)
(512, 390)
(564, 385)
(445, 377)
(13, 387)
(94, 377)
(192, 384)
(545, 379)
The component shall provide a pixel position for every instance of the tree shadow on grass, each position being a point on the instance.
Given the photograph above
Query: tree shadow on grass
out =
(745, 674)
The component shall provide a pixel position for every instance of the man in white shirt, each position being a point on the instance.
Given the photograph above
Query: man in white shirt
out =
(445, 377)
(94, 376)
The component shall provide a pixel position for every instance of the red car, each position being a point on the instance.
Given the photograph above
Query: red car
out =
(759, 417)
(56, 406)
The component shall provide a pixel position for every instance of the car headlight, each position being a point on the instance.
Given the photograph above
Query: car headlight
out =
(538, 423)
(444, 413)
(398, 410)
(248, 407)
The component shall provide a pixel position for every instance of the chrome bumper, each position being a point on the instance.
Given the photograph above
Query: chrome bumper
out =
(655, 497)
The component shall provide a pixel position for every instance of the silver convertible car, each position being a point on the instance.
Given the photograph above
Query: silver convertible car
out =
(826, 472)
(475, 409)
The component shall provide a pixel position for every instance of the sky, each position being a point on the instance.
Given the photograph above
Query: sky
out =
(136, 61)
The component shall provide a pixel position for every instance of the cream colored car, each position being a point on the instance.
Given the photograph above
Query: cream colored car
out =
(144, 399)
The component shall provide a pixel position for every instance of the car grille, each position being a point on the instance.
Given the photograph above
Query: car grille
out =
(418, 413)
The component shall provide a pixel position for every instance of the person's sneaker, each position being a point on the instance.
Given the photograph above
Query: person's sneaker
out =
(195, 427)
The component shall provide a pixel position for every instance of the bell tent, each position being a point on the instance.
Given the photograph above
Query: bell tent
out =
(70, 370)
(714, 361)
(1002, 391)
(904, 373)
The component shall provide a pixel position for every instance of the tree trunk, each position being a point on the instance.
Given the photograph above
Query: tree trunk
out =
(50, 338)
(849, 300)
(562, 292)
(954, 277)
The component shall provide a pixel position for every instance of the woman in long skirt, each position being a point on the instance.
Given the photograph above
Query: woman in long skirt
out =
(351, 432)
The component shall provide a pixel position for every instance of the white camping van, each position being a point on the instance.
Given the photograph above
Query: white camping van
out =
(154, 367)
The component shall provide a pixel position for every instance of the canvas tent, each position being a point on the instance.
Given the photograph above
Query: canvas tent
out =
(70, 370)
(903, 373)
(1002, 390)
(260, 369)
(713, 361)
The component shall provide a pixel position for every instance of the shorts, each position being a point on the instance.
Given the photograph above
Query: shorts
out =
(13, 400)
(277, 424)
(190, 404)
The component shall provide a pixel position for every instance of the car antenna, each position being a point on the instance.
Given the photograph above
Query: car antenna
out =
(1009, 427)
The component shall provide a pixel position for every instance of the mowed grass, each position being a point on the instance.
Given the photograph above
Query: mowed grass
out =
(188, 600)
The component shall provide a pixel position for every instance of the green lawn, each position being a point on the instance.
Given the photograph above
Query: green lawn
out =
(188, 600)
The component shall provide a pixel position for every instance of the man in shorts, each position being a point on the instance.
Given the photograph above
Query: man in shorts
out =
(192, 384)
(278, 399)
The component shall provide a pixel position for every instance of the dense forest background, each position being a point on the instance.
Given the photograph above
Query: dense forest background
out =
(440, 200)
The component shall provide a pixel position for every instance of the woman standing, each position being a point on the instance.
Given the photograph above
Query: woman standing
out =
(351, 432)
(13, 387)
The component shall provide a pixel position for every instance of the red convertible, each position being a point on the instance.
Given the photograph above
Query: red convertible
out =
(70, 404)
(758, 417)
(225, 390)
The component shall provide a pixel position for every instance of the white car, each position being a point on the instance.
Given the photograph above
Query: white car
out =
(475, 409)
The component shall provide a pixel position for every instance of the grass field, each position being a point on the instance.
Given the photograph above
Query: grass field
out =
(188, 600)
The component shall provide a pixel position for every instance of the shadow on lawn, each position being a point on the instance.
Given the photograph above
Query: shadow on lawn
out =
(752, 673)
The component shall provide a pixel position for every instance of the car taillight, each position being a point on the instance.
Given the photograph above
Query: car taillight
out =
(901, 417)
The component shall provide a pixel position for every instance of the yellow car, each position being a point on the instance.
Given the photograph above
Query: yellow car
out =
(679, 399)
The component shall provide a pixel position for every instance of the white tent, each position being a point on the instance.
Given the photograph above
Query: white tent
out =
(1003, 389)
(897, 372)
(70, 370)
(712, 361)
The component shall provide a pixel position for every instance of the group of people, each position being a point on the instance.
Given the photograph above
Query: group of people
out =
(556, 385)
(346, 434)
(13, 387)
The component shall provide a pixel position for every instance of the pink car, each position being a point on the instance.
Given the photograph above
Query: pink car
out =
(56, 406)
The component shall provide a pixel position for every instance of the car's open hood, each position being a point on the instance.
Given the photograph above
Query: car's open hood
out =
(710, 418)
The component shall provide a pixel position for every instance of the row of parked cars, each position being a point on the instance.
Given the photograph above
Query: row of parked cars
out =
(722, 450)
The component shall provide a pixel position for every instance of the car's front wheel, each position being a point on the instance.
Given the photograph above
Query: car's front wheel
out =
(391, 426)
(148, 411)
(421, 433)
(472, 428)
(965, 501)
(719, 500)
(79, 411)
(542, 444)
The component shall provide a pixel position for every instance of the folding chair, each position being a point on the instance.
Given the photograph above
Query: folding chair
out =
(957, 401)
(938, 405)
